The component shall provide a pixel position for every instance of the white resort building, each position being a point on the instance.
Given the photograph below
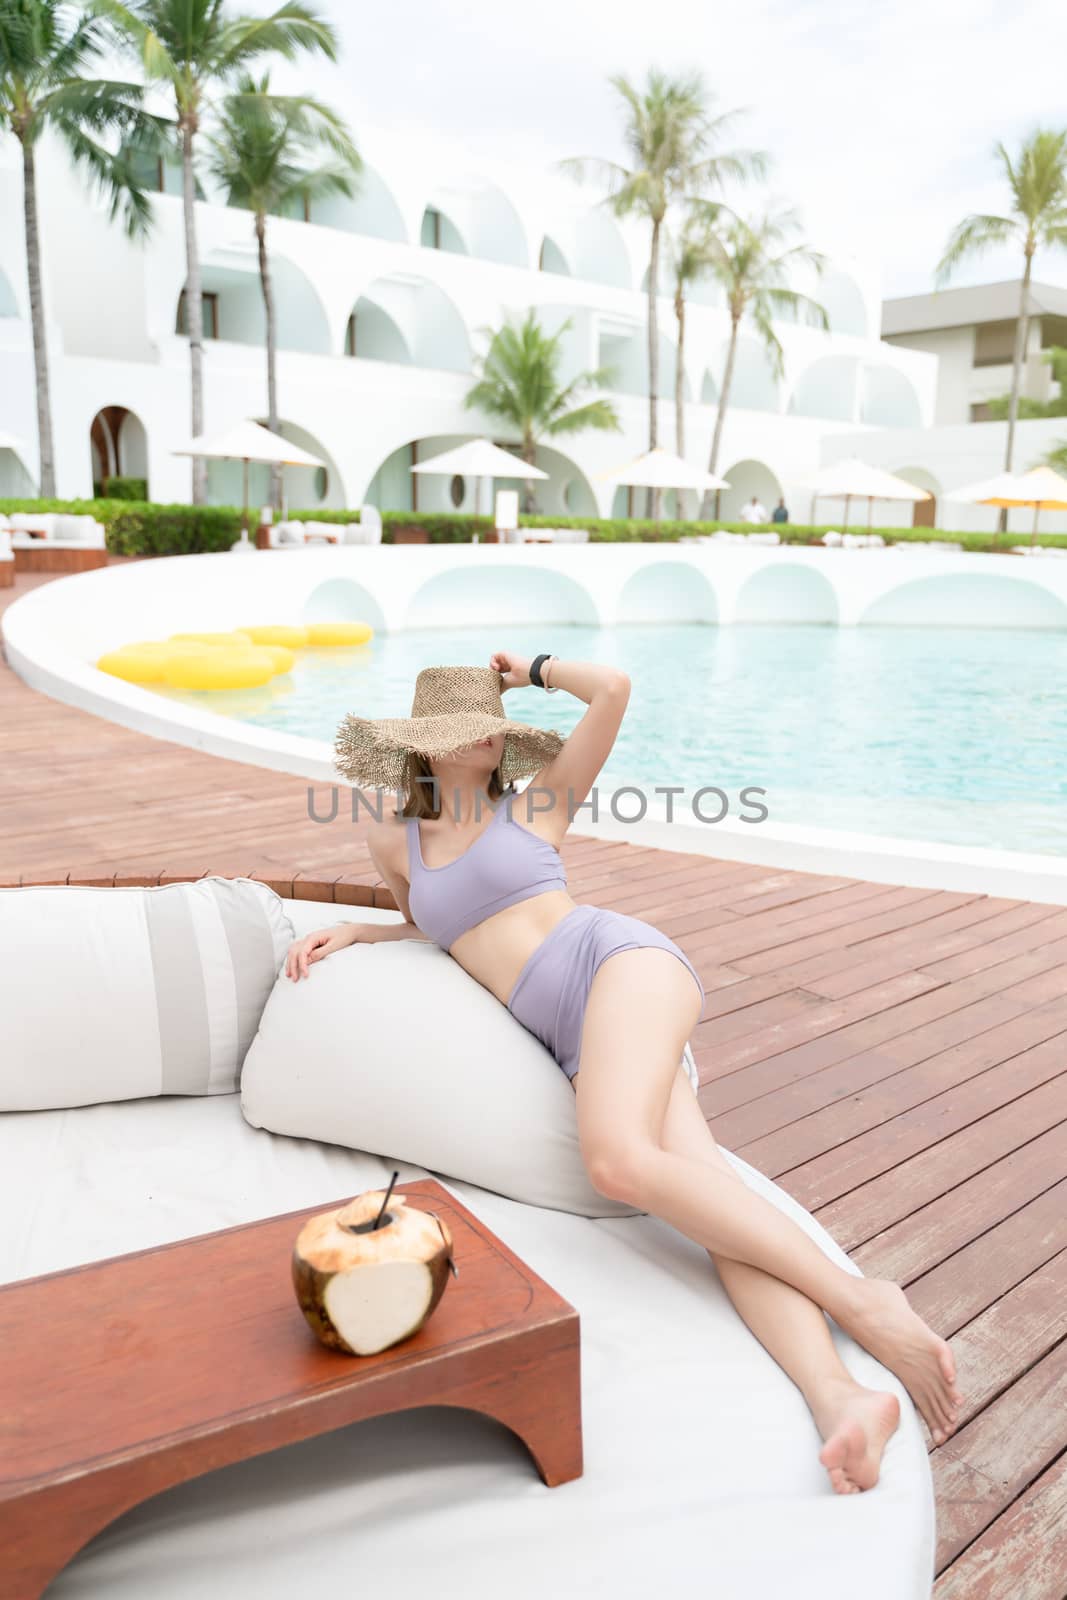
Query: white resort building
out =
(384, 299)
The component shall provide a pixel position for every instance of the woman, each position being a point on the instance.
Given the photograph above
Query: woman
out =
(474, 866)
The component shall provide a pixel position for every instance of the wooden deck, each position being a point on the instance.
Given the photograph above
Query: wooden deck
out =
(894, 1058)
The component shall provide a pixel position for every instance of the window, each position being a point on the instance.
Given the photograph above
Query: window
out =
(431, 229)
(456, 490)
(322, 483)
(994, 344)
(209, 312)
(350, 335)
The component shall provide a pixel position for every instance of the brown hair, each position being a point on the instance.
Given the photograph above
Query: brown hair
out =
(422, 789)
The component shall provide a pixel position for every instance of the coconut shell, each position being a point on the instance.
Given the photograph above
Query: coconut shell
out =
(363, 1289)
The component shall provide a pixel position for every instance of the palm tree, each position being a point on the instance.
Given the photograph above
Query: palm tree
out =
(695, 251)
(753, 266)
(262, 153)
(1037, 216)
(673, 142)
(45, 53)
(518, 381)
(193, 46)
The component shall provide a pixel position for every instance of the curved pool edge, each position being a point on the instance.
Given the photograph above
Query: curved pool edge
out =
(878, 859)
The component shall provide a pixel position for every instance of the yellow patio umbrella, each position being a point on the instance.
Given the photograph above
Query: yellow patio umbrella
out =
(1041, 488)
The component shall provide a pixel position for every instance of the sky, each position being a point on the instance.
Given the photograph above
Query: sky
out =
(880, 118)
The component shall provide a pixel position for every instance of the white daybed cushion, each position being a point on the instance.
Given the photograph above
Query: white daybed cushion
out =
(393, 1048)
(111, 994)
(701, 1460)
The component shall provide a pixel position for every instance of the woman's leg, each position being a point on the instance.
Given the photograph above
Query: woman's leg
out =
(855, 1422)
(641, 1009)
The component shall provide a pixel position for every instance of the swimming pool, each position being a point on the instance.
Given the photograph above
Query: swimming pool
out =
(954, 734)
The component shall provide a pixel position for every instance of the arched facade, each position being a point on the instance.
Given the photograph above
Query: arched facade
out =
(967, 600)
(842, 299)
(508, 596)
(888, 399)
(372, 210)
(394, 487)
(9, 306)
(924, 512)
(625, 350)
(667, 591)
(411, 322)
(826, 389)
(475, 218)
(754, 386)
(786, 593)
(118, 446)
(343, 600)
(552, 259)
(234, 313)
(747, 478)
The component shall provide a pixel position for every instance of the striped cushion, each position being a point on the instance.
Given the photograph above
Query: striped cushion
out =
(113, 994)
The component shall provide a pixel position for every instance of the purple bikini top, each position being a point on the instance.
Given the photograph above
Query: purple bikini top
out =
(505, 864)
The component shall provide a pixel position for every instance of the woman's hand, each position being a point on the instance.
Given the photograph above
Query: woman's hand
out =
(514, 669)
(314, 946)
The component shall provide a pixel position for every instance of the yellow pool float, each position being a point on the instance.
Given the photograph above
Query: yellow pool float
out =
(219, 639)
(277, 633)
(283, 659)
(339, 632)
(238, 668)
(144, 661)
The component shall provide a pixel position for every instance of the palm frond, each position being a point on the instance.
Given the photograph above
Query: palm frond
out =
(973, 237)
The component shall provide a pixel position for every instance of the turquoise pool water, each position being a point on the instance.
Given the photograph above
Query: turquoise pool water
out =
(953, 734)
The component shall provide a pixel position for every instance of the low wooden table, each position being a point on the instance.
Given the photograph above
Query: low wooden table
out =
(124, 1377)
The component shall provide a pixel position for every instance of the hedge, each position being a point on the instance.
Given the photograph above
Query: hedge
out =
(123, 489)
(144, 528)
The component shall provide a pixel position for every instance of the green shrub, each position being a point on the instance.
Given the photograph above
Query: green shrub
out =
(148, 530)
(123, 489)
(144, 528)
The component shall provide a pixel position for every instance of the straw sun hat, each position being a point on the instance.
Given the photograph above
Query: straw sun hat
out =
(453, 706)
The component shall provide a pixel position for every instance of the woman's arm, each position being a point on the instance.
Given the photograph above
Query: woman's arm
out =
(565, 782)
(385, 841)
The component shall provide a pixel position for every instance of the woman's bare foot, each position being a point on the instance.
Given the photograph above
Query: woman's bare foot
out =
(883, 1322)
(856, 1424)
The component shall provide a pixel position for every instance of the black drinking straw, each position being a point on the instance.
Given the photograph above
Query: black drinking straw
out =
(385, 1202)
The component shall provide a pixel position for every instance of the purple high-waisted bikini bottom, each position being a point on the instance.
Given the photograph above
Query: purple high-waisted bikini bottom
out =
(551, 991)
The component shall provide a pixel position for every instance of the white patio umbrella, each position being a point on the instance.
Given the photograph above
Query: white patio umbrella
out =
(1041, 488)
(479, 458)
(659, 469)
(854, 479)
(249, 441)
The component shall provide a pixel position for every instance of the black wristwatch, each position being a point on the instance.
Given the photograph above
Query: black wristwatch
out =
(535, 671)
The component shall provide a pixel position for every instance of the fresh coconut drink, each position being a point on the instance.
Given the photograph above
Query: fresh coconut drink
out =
(368, 1275)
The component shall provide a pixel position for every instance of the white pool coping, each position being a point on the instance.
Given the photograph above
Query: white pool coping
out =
(49, 631)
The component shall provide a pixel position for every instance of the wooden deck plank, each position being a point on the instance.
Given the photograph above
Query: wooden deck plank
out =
(896, 1057)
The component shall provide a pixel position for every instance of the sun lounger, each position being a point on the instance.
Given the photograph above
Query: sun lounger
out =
(701, 1470)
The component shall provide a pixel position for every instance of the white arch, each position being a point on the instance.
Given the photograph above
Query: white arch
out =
(748, 478)
(826, 388)
(754, 386)
(667, 591)
(552, 259)
(372, 210)
(343, 600)
(301, 318)
(9, 306)
(843, 301)
(787, 592)
(625, 348)
(888, 399)
(118, 444)
(968, 600)
(600, 253)
(484, 220)
(513, 595)
(411, 321)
